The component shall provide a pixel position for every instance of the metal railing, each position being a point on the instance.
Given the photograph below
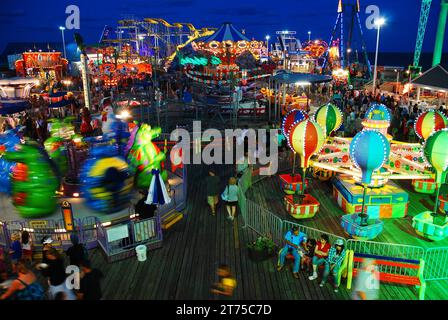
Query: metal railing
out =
(436, 264)
(38, 229)
(311, 233)
(264, 222)
(131, 234)
(390, 251)
(88, 232)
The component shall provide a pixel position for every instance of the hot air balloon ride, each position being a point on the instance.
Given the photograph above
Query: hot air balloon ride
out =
(428, 224)
(386, 199)
(425, 125)
(369, 150)
(305, 139)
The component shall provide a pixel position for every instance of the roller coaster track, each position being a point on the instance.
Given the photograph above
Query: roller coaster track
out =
(164, 31)
(204, 32)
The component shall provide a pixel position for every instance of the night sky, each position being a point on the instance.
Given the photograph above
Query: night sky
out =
(38, 21)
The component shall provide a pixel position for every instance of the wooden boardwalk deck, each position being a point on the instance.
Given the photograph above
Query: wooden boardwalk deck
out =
(184, 268)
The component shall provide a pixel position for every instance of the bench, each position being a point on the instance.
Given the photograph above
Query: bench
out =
(396, 270)
(343, 270)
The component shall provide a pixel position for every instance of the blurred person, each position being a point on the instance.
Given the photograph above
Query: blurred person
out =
(25, 287)
(294, 240)
(27, 247)
(226, 282)
(3, 267)
(367, 283)
(90, 283)
(15, 251)
(144, 210)
(212, 182)
(54, 270)
(46, 245)
(77, 252)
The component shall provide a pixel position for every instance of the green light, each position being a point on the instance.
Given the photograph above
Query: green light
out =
(199, 61)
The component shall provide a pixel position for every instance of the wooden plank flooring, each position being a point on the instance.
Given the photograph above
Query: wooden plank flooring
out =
(184, 268)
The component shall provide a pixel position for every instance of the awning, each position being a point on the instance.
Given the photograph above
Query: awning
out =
(227, 32)
(435, 79)
(13, 106)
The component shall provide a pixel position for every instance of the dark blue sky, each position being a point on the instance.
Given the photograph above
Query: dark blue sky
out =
(26, 20)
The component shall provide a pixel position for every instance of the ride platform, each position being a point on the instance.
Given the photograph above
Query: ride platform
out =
(389, 201)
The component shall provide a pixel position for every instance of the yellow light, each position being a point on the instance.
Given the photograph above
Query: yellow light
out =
(105, 224)
(124, 114)
(76, 195)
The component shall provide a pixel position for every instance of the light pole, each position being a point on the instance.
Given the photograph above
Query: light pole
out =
(348, 56)
(309, 36)
(398, 80)
(408, 72)
(378, 23)
(267, 45)
(63, 41)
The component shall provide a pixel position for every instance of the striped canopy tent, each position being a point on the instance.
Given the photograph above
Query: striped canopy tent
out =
(227, 32)
(228, 39)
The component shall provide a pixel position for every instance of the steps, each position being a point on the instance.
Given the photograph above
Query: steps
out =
(171, 218)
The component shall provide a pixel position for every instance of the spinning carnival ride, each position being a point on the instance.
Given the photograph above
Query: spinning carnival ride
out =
(366, 166)
(384, 199)
(94, 168)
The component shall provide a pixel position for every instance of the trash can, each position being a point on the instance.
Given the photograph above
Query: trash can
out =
(141, 253)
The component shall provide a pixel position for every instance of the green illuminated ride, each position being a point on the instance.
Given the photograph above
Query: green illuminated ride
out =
(438, 48)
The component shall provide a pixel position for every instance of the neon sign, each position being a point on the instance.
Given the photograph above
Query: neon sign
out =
(199, 61)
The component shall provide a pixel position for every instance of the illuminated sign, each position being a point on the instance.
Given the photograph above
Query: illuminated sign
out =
(67, 215)
(199, 61)
(38, 224)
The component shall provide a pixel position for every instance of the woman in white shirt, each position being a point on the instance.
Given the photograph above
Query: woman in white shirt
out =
(230, 195)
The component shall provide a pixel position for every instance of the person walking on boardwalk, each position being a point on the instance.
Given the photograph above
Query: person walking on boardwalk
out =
(230, 195)
(294, 241)
(226, 283)
(212, 183)
(367, 283)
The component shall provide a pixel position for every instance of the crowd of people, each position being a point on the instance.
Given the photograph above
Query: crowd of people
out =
(355, 104)
(26, 279)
